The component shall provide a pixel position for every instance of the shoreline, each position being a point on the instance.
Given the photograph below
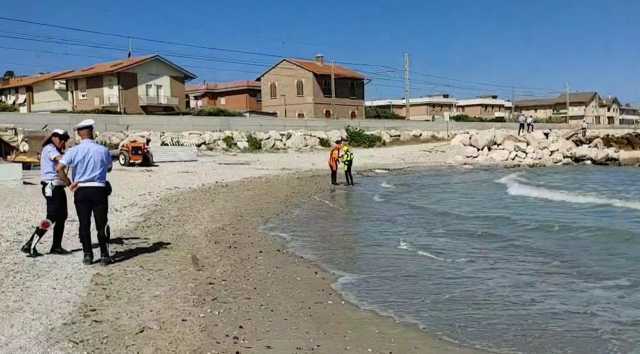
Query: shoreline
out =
(381, 334)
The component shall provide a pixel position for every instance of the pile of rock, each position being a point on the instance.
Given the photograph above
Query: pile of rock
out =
(269, 141)
(535, 149)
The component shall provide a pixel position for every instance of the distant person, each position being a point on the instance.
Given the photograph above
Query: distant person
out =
(547, 133)
(584, 127)
(521, 121)
(54, 194)
(90, 163)
(347, 162)
(334, 160)
(530, 124)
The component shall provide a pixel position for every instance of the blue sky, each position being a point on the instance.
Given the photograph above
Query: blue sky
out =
(466, 48)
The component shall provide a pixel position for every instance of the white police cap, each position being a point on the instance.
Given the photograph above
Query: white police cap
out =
(59, 132)
(87, 123)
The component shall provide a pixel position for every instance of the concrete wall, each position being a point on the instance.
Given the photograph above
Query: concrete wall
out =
(183, 123)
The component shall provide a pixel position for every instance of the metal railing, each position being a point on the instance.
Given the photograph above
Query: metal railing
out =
(158, 100)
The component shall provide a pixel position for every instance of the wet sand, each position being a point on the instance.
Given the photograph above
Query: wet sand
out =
(197, 275)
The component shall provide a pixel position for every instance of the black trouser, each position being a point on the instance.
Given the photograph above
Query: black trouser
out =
(334, 176)
(56, 212)
(92, 200)
(520, 128)
(347, 173)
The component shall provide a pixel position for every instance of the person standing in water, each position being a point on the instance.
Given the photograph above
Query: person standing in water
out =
(54, 194)
(334, 160)
(347, 162)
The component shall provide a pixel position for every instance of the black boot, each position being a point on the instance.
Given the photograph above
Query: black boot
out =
(105, 258)
(30, 247)
(88, 259)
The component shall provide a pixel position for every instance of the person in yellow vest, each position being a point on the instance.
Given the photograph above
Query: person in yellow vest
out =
(334, 160)
(347, 162)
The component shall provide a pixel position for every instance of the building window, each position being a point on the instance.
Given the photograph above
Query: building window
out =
(353, 89)
(159, 91)
(327, 113)
(82, 89)
(326, 87)
(299, 88)
(148, 90)
(300, 115)
(223, 100)
(273, 89)
(354, 115)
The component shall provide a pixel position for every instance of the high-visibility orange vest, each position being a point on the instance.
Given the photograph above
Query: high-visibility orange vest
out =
(334, 157)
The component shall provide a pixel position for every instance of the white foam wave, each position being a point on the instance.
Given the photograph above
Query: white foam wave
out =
(381, 171)
(386, 185)
(517, 186)
(378, 198)
(404, 245)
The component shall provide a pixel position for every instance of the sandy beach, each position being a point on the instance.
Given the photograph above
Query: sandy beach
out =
(194, 273)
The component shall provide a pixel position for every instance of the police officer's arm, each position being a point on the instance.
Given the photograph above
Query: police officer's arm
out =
(61, 167)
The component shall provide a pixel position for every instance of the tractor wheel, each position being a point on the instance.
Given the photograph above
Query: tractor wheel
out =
(147, 160)
(124, 159)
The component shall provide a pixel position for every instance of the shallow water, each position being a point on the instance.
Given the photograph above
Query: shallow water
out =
(531, 261)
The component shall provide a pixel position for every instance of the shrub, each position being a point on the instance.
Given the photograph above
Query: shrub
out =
(358, 138)
(381, 113)
(7, 108)
(324, 142)
(466, 118)
(215, 111)
(88, 111)
(254, 143)
(229, 141)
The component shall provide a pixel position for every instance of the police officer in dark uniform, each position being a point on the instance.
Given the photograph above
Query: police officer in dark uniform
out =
(90, 162)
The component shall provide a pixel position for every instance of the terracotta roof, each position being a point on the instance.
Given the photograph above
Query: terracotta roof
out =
(317, 68)
(28, 80)
(223, 86)
(117, 66)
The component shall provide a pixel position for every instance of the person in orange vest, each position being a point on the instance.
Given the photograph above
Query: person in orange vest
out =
(334, 159)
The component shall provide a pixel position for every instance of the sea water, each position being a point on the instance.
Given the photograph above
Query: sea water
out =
(527, 261)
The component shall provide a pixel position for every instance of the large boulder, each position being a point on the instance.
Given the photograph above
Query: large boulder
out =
(461, 140)
(296, 141)
(416, 133)
(319, 134)
(499, 155)
(268, 144)
(311, 141)
(470, 152)
(386, 137)
(212, 137)
(242, 145)
(566, 147)
(334, 135)
(629, 157)
(406, 136)
(484, 138)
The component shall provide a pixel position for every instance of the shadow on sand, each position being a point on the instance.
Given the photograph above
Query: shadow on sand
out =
(127, 254)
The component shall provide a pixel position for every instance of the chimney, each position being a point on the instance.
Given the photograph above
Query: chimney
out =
(319, 58)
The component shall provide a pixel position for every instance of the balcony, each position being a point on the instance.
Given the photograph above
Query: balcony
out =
(158, 101)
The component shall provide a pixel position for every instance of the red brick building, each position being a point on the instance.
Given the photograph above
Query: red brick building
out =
(240, 96)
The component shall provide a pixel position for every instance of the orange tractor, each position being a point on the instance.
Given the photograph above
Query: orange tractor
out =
(135, 152)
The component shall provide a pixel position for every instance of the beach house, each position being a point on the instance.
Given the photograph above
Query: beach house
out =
(582, 105)
(30, 93)
(138, 85)
(428, 108)
(610, 110)
(240, 96)
(295, 88)
(486, 107)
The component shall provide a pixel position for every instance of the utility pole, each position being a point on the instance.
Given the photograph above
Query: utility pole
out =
(407, 87)
(568, 101)
(513, 103)
(130, 49)
(333, 89)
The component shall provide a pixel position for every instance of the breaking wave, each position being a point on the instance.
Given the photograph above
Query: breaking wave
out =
(518, 186)
(404, 245)
(386, 185)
